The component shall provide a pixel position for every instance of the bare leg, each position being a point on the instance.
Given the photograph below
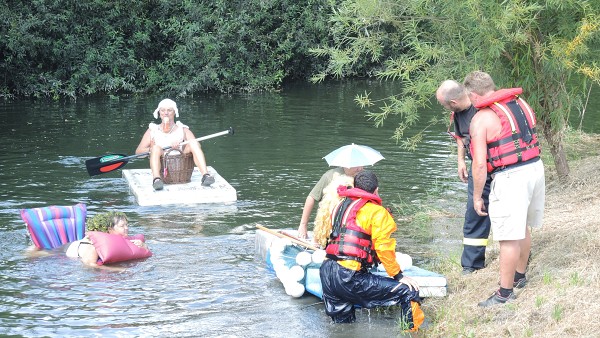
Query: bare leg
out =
(510, 253)
(155, 155)
(194, 148)
(525, 245)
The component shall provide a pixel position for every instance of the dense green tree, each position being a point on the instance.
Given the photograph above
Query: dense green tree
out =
(544, 46)
(69, 48)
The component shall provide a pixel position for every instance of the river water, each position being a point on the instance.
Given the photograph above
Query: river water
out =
(204, 279)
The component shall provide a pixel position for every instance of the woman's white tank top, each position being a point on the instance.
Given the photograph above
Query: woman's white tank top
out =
(166, 139)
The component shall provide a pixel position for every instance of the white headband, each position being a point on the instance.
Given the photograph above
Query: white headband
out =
(166, 103)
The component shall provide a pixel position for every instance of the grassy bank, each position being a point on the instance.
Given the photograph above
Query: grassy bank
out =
(564, 286)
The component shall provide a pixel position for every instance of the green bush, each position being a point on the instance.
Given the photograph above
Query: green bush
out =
(70, 48)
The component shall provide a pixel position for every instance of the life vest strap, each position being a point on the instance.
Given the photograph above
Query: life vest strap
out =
(509, 139)
(342, 243)
(525, 129)
(358, 234)
(512, 166)
(515, 151)
(344, 258)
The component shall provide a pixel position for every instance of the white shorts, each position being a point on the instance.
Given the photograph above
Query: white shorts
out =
(517, 198)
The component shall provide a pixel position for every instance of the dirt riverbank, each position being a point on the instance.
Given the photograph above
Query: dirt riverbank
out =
(563, 294)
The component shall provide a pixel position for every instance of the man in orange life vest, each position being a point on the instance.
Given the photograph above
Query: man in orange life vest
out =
(504, 143)
(361, 235)
(476, 229)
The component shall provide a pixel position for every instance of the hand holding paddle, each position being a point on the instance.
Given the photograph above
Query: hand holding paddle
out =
(108, 163)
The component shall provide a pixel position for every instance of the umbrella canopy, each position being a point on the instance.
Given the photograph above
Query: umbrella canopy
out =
(353, 155)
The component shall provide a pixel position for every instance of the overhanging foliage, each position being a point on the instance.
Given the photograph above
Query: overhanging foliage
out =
(543, 46)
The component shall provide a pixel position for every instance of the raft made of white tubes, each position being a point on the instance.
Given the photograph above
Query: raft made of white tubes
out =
(140, 185)
(298, 267)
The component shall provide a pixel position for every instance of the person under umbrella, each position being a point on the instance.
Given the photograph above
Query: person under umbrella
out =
(349, 160)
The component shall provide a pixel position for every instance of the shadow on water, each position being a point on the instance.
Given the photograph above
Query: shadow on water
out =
(203, 279)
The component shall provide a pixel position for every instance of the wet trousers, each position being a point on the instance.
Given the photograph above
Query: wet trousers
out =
(344, 289)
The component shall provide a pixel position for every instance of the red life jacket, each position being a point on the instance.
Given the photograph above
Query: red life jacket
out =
(348, 241)
(518, 140)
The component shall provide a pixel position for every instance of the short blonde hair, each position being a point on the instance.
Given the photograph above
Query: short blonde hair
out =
(479, 83)
(166, 103)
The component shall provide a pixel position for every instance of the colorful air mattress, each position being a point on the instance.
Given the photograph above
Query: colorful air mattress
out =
(53, 226)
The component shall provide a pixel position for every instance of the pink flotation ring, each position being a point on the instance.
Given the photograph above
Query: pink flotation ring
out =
(116, 248)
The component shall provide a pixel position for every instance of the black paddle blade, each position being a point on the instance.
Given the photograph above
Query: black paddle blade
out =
(105, 164)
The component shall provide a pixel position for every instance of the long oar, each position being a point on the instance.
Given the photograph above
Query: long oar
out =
(294, 240)
(108, 163)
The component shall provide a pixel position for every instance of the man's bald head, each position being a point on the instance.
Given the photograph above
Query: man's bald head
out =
(453, 96)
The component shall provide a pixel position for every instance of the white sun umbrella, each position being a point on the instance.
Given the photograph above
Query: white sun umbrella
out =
(353, 155)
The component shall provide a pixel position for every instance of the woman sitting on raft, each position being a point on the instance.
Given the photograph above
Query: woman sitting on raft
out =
(171, 134)
(112, 222)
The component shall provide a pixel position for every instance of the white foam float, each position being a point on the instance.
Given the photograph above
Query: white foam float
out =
(303, 258)
(318, 256)
(279, 244)
(282, 272)
(297, 273)
(404, 260)
(140, 185)
(294, 289)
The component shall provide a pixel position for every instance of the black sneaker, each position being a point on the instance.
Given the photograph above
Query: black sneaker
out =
(496, 299)
(207, 180)
(468, 271)
(521, 283)
(157, 184)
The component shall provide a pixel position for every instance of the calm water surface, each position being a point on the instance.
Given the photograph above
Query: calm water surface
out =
(204, 279)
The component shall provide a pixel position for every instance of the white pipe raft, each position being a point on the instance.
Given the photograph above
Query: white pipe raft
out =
(283, 261)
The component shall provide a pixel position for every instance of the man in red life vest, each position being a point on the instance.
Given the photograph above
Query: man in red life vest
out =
(504, 143)
(361, 235)
(476, 229)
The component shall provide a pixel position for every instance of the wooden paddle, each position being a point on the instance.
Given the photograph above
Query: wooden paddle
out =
(291, 238)
(108, 163)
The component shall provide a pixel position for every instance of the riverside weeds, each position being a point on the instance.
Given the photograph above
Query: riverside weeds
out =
(563, 293)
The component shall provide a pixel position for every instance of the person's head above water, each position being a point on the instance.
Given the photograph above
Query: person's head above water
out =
(109, 222)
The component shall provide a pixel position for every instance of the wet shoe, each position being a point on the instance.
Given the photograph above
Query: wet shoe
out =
(157, 184)
(207, 180)
(496, 299)
(521, 283)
